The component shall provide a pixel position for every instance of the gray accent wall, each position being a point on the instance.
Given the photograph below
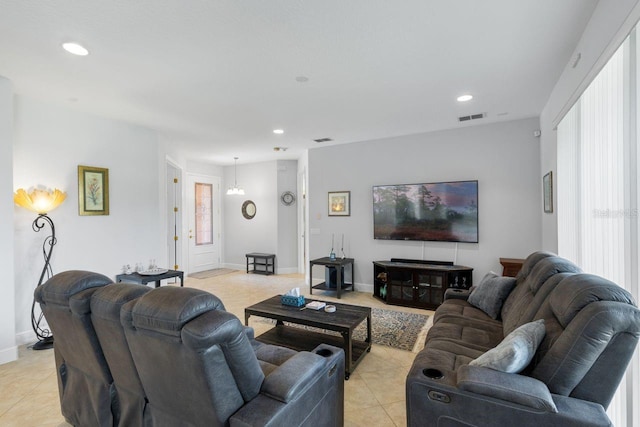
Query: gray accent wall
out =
(503, 157)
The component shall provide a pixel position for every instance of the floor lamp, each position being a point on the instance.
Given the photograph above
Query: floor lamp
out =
(41, 202)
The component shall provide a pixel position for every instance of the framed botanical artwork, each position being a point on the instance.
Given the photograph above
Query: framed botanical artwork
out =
(547, 188)
(339, 203)
(93, 190)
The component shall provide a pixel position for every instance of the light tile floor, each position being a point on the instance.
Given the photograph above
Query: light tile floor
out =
(374, 395)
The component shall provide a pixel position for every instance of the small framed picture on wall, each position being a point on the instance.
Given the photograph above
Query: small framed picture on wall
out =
(93, 190)
(339, 203)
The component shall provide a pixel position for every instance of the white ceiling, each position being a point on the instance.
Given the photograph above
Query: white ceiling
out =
(216, 77)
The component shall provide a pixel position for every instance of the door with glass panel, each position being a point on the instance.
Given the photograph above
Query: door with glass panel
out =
(203, 200)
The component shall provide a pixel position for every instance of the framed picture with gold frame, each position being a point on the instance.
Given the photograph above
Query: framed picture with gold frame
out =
(339, 203)
(93, 190)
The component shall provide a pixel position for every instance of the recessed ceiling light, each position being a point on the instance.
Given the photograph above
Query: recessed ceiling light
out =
(278, 131)
(75, 48)
(465, 98)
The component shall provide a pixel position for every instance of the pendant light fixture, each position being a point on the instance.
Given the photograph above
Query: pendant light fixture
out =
(235, 190)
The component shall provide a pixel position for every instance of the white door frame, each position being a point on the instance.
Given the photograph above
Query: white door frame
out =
(174, 263)
(217, 219)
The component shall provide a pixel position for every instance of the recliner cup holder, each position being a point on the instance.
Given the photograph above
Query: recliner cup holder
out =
(324, 352)
(434, 374)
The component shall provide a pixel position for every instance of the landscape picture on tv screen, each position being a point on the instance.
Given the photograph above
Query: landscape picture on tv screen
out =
(441, 211)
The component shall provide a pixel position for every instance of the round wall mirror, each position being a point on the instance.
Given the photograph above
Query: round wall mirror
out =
(248, 209)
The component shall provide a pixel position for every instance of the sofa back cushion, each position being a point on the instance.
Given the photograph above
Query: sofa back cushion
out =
(84, 379)
(593, 326)
(106, 304)
(490, 293)
(194, 359)
(530, 262)
(532, 290)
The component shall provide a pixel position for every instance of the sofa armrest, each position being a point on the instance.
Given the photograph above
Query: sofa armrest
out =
(432, 399)
(291, 397)
(250, 333)
(514, 388)
(455, 293)
(290, 379)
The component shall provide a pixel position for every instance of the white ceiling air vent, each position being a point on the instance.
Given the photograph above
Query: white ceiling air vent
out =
(323, 140)
(472, 117)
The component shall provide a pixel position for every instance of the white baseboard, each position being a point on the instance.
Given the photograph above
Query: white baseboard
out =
(8, 355)
(364, 287)
(26, 337)
(243, 267)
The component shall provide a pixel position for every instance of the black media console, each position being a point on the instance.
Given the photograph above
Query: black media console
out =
(417, 283)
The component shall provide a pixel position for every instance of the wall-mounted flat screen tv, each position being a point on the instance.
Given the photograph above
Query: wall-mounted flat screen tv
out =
(439, 211)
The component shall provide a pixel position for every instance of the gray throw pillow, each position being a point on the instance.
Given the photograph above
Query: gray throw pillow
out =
(490, 294)
(515, 351)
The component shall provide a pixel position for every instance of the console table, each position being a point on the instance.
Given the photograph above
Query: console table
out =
(339, 264)
(144, 279)
(511, 266)
(262, 263)
(416, 283)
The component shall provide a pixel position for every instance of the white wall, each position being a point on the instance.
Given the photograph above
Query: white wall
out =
(287, 225)
(49, 143)
(610, 23)
(8, 349)
(303, 214)
(503, 157)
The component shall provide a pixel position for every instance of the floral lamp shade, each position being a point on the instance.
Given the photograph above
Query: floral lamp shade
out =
(39, 201)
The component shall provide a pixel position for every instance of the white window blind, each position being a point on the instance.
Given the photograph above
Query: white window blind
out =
(593, 179)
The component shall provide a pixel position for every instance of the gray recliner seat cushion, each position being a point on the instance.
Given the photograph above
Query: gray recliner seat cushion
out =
(446, 356)
(471, 333)
(271, 356)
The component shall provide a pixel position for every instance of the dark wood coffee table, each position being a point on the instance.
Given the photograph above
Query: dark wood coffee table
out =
(344, 320)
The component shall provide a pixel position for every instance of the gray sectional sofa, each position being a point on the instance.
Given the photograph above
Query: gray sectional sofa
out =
(579, 330)
(127, 355)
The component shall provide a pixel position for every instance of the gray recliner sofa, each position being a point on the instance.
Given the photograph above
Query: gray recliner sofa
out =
(591, 329)
(199, 368)
(88, 396)
(173, 356)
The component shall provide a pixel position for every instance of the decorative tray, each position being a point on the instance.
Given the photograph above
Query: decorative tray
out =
(153, 272)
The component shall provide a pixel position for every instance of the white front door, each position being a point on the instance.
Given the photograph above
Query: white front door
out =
(203, 201)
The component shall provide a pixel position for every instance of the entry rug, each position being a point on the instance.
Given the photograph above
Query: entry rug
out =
(395, 329)
(211, 273)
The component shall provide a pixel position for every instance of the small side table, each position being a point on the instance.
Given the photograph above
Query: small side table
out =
(339, 264)
(262, 263)
(143, 279)
(511, 266)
